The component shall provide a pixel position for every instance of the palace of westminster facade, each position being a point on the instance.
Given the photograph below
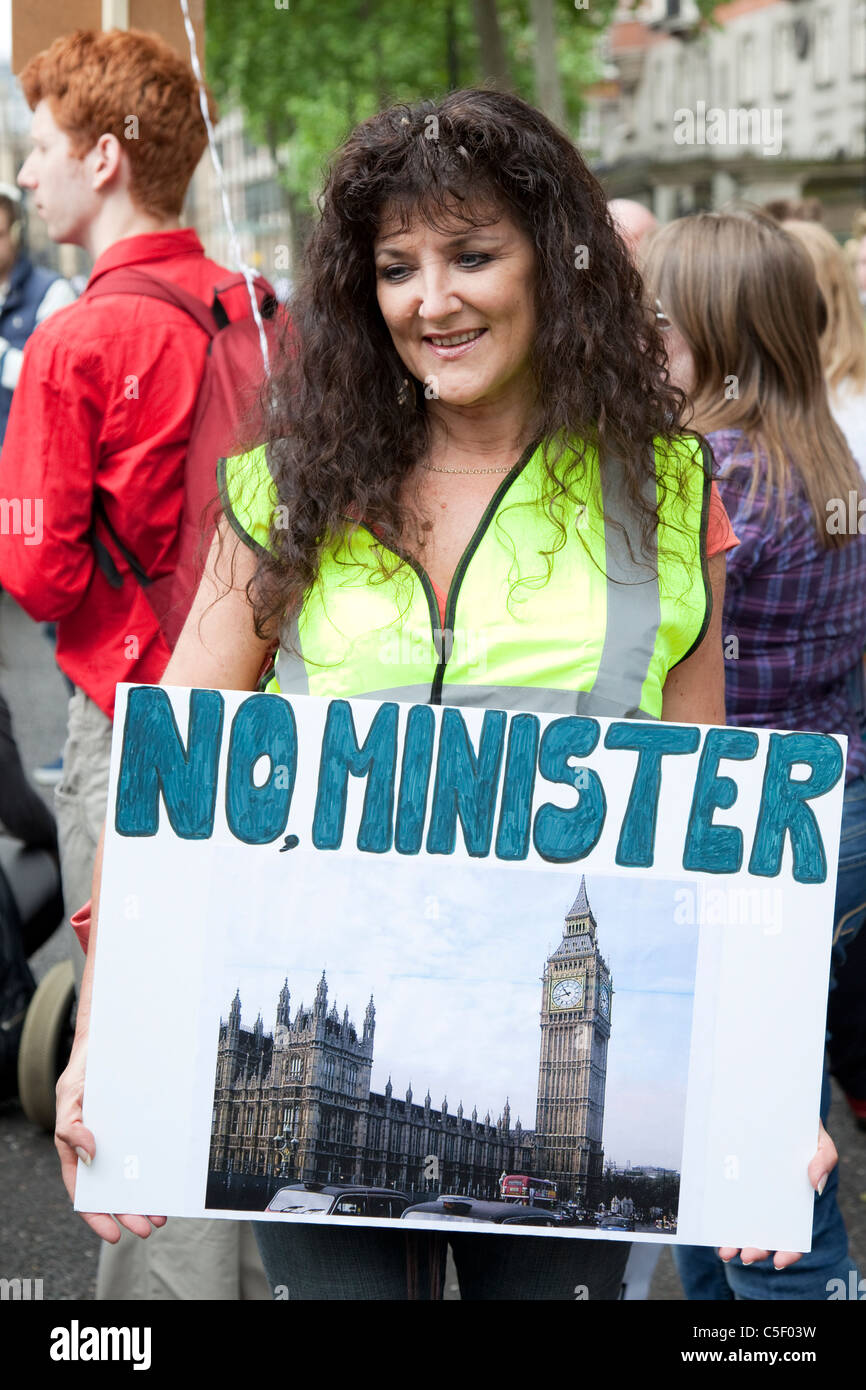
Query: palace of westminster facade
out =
(296, 1104)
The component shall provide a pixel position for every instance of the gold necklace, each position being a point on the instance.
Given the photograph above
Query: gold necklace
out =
(431, 468)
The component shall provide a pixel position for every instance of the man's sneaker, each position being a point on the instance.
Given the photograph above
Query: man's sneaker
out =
(49, 774)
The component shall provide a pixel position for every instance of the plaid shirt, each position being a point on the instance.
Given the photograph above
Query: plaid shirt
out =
(798, 613)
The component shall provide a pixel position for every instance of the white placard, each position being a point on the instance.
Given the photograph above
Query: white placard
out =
(374, 962)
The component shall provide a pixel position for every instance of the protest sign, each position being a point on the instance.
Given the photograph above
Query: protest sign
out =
(362, 961)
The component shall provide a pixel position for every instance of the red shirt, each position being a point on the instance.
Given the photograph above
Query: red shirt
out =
(105, 401)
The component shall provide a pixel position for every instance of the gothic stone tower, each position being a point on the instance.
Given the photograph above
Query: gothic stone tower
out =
(575, 1027)
(320, 1081)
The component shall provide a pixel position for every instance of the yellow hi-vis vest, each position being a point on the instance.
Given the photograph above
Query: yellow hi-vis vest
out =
(590, 627)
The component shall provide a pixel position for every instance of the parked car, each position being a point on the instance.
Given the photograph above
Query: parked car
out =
(338, 1199)
(579, 1216)
(472, 1209)
(616, 1223)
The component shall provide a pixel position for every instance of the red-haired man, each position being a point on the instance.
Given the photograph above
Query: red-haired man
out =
(100, 424)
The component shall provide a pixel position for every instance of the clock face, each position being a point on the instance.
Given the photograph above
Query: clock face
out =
(567, 994)
(604, 1000)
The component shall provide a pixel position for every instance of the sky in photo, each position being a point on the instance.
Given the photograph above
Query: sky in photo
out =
(453, 956)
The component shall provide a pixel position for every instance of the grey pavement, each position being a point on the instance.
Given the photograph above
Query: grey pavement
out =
(40, 1235)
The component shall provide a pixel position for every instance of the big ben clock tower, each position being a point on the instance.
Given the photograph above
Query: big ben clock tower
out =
(576, 1001)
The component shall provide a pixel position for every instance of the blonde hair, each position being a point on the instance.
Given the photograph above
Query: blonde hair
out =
(843, 342)
(742, 292)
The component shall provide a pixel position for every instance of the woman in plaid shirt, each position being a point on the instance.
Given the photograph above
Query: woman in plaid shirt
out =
(737, 298)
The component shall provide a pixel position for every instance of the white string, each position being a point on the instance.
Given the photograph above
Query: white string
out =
(247, 270)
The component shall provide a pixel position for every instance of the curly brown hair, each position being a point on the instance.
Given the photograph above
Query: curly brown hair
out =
(341, 441)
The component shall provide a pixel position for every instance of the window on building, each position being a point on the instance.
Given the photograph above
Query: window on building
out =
(328, 1071)
(261, 198)
(590, 125)
(746, 67)
(351, 1078)
(661, 111)
(783, 59)
(700, 76)
(296, 1067)
(682, 81)
(236, 1120)
(251, 1114)
(213, 1123)
(858, 37)
(824, 47)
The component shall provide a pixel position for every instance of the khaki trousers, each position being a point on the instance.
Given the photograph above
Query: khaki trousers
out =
(186, 1259)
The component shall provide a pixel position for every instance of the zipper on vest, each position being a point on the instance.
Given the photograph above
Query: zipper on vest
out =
(443, 637)
(446, 634)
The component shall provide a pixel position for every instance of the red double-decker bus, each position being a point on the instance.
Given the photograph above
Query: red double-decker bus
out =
(526, 1190)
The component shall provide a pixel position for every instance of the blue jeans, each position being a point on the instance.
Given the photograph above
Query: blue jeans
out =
(846, 1013)
(703, 1274)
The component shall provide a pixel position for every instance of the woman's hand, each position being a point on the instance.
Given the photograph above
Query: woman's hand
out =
(72, 1140)
(819, 1170)
(75, 1142)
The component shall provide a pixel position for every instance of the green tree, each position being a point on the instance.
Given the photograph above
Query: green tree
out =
(306, 74)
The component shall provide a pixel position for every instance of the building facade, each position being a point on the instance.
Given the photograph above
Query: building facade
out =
(790, 78)
(295, 1104)
(259, 205)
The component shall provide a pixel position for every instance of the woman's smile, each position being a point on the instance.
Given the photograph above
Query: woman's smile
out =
(453, 345)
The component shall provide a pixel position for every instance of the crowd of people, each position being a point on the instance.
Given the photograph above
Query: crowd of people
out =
(703, 383)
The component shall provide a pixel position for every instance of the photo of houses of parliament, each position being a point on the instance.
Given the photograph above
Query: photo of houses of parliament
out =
(296, 1105)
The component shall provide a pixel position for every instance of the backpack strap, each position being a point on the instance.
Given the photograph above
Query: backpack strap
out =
(134, 281)
(104, 558)
(211, 320)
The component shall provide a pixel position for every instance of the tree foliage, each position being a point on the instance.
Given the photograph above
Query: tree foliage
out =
(306, 74)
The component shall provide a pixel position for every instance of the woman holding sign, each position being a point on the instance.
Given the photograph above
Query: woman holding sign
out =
(735, 293)
(472, 449)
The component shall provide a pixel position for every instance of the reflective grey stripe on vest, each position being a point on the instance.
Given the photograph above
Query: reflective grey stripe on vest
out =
(291, 669)
(538, 698)
(633, 609)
